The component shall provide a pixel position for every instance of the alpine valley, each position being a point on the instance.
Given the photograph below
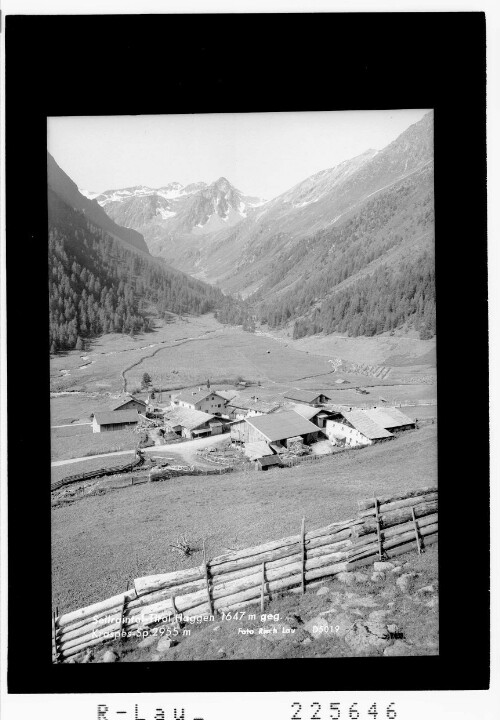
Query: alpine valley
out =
(349, 249)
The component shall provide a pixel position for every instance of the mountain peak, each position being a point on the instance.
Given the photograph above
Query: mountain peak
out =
(222, 184)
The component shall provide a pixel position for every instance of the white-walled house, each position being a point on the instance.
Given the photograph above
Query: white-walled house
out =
(354, 428)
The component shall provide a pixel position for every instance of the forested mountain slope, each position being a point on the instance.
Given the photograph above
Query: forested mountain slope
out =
(98, 284)
(370, 273)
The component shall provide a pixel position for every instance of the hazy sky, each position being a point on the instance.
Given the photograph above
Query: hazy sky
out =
(261, 154)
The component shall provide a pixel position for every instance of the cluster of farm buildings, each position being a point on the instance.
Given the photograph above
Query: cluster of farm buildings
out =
(264, 430)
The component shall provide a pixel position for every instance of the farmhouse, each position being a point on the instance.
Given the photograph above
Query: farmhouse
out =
(391, 419)
(114, 420)
(309, 397)
(130, 403)
(276, 429)
(189, 423)
(238, 409)
(207, 401)
(355, 428)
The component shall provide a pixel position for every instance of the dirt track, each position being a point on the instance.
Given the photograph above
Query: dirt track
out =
(186, 451)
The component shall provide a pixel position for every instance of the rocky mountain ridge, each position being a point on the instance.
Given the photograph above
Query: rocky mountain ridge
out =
(176, 213)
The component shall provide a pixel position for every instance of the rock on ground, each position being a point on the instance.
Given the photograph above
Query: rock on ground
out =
(317, 626)
(148, 641)
(361, 577)
(109, 656)
(383, 566)
(357, 601)
(403, 582)
(322, 591)
(283, 632)
(346, 578)
(427, 590)
(365, 636)
(398, 648)
(165, 644)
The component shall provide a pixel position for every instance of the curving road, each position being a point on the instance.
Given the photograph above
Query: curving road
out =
(186, 451)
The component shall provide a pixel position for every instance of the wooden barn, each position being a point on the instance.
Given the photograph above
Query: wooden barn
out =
(238, 409)
(308, 397)
(188, 423)
(316, 415)
(354, 428)
(276, 428)
(114, 420)
(130, 403)
(391, 419)
(204, 400)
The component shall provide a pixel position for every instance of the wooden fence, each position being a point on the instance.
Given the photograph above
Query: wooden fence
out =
(92, 474)
(291, 461)
(164, 473)
(384, 527)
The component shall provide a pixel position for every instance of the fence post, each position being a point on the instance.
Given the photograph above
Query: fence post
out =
(207, 581)
(379, 536)
(303, 549)
(417, 537)
(262, 588)
(54, 631)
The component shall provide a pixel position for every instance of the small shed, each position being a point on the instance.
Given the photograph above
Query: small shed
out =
(264, 463)
(256, 450)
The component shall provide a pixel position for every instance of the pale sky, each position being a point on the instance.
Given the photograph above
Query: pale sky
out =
(261, 154)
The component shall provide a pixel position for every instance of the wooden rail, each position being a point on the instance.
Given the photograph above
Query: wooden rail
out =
(92, 474)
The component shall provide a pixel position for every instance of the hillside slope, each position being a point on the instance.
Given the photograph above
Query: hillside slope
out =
(240, 258)
(62, 185)
(99, 284)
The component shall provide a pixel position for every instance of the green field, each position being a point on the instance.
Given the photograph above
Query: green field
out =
(98, 368)
(66, 447)
(99, 543)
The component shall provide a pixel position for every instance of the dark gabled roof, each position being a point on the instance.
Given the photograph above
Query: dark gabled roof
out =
(306, 396)
(124, 401)
(281, 425)
(194, 396)
(116, 417)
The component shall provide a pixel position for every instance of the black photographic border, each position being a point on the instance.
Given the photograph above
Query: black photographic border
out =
(63, 65)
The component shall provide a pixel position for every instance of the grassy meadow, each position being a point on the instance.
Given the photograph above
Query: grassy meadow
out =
(99, 543)
(89, 443)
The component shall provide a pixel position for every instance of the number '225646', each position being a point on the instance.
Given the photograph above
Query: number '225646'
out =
(337, 712)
